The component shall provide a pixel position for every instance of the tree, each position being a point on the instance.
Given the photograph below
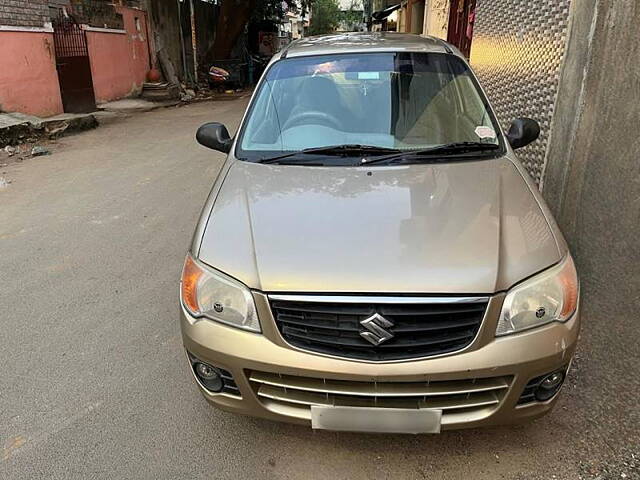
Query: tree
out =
(235, 14)
(277, 9)
(325, 17)
(352, 18)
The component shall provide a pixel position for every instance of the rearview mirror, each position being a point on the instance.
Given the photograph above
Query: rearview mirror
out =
(522, 132)
(214, 135)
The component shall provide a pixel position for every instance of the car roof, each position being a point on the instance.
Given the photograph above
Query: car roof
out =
(361, 42)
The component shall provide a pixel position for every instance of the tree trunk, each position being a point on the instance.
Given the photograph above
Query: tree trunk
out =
(234, 16)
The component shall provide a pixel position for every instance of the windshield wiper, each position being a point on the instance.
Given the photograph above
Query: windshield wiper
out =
(439, 151)
(342, 150)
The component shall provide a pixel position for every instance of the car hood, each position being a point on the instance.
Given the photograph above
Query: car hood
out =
(466, 227)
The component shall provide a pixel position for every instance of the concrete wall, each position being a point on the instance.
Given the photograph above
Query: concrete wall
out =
(28, 80)
(206, 20)
(166, 28)
(573, 66)
(592, 182)
(119, 61)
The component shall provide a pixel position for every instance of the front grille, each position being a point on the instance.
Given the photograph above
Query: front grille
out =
(419, 329)
(293, 395)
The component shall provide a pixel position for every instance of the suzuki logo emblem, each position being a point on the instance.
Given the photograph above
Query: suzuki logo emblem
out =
(375, 332)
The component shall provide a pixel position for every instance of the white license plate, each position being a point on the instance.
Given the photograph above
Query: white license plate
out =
(384, 420)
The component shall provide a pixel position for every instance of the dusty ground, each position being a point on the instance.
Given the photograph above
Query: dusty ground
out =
(94, 382)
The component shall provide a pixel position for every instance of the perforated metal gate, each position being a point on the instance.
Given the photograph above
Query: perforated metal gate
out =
(73, 65)
(518, 49)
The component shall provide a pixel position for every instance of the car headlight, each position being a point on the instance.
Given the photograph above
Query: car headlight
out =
(551, 296)
(214, 295)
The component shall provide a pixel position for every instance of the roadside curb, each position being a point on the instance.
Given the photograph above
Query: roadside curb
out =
(16, 128)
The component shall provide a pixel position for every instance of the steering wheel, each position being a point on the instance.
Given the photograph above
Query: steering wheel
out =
(313, 118)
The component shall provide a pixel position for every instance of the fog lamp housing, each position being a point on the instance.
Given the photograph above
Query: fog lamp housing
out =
(209, 376)
(549, 386)
(544, 387)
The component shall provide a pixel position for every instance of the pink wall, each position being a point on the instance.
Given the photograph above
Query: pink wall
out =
(28, 76)
(119, 62)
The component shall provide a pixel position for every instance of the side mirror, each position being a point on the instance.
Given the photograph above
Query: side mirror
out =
(214, 135)
(522, 132)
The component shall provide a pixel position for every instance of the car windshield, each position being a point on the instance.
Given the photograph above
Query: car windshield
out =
(403, 101)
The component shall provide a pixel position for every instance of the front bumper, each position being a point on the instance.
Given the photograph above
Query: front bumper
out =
(514, 360)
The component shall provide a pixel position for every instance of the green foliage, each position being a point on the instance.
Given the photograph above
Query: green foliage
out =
(325, 17)
(351, 18)
(276, 9)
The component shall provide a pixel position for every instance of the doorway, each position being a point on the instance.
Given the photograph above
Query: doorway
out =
(73, 66)
(462, 16)
(417, 16)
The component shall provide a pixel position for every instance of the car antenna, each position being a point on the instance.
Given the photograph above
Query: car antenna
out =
(446, 46)
(285, 52)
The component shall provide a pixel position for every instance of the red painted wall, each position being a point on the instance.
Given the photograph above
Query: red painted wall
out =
(28, 76)
(119, 62)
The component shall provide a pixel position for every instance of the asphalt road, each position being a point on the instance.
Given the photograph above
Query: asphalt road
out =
(93, 380)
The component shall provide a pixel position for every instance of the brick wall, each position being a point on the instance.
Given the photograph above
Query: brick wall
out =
(24, 13)
(96, 13)
(59, 3)
(35, 13)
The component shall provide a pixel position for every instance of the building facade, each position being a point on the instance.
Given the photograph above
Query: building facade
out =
(73, 54)
(295, 24)
(29, 82)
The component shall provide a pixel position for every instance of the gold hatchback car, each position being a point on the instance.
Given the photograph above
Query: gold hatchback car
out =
(373, 256)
